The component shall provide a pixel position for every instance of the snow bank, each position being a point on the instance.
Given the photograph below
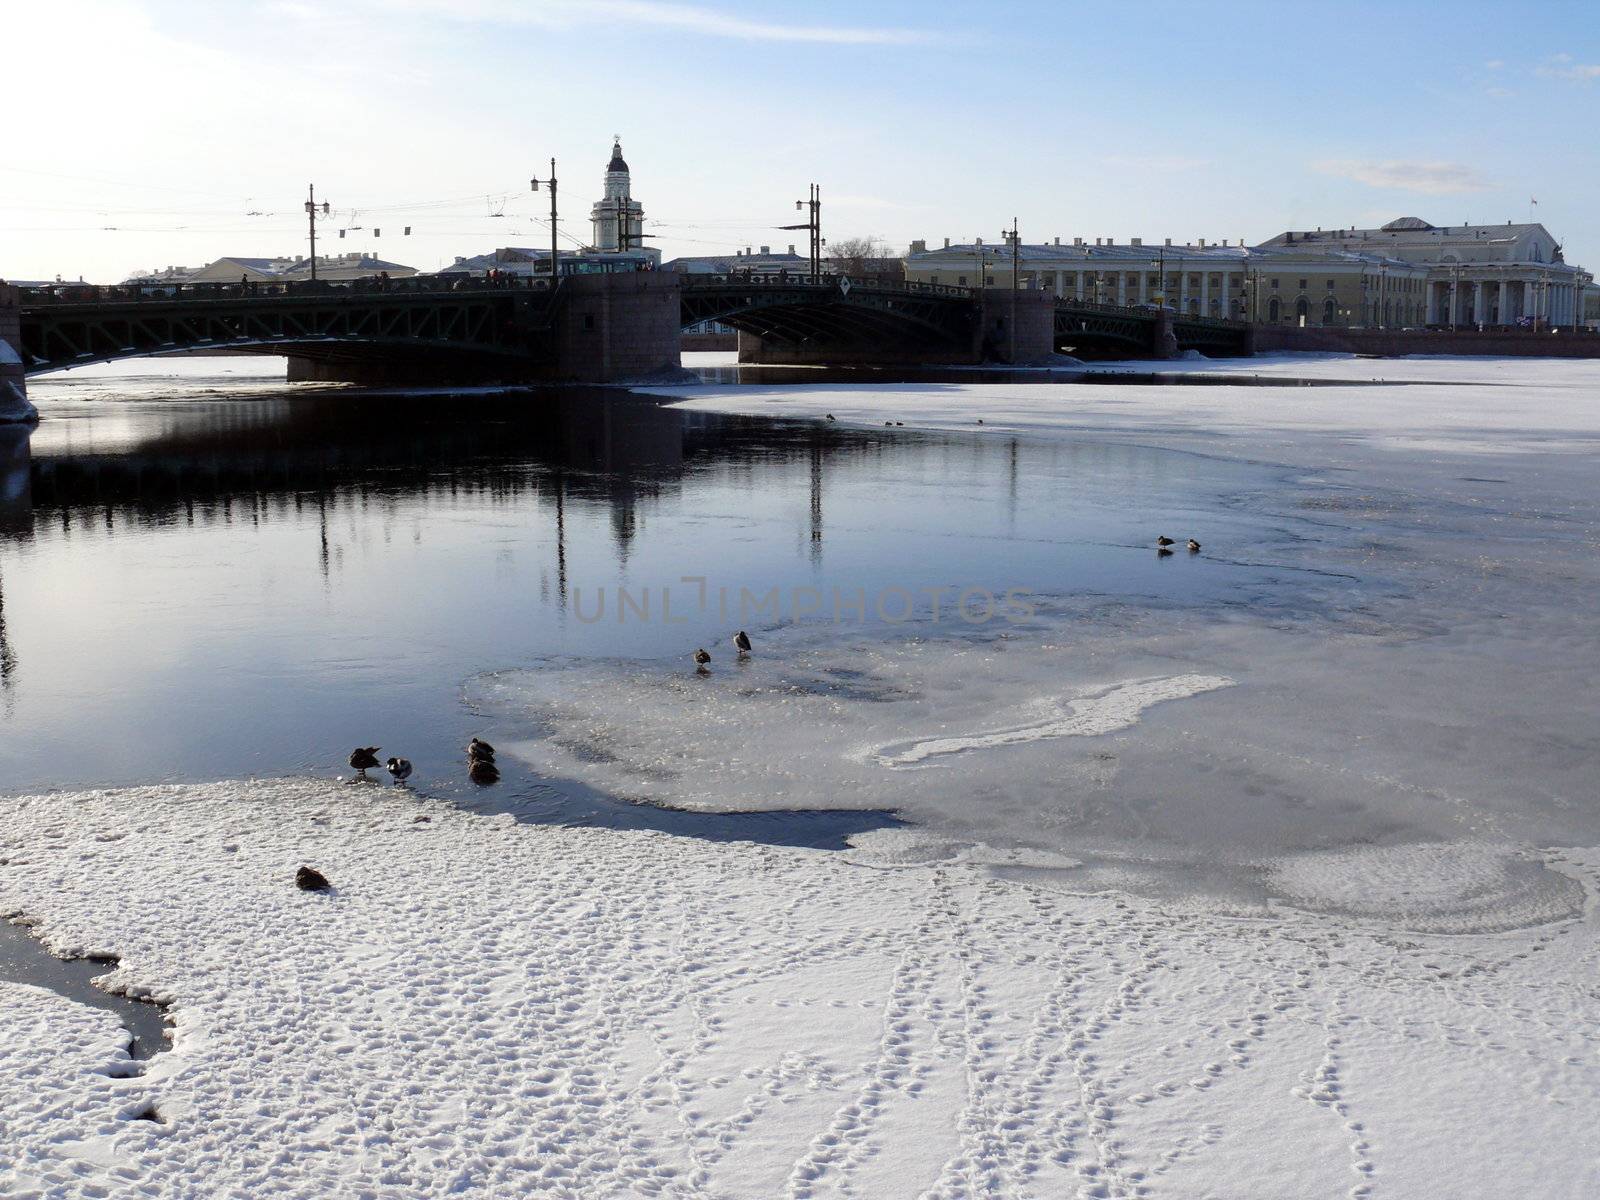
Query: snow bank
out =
(485, 1009)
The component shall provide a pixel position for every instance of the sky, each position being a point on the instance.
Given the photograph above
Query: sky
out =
(148, 133)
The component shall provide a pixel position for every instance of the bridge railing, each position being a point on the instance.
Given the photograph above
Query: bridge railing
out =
(122, 293)
(830, 281)
(1145, 311)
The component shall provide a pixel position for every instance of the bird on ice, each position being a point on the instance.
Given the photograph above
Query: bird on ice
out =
(1163, 540)
(309, 879)
(400, 768)
(1194, 546)
(364, 759)
(478, 749)
(701, 658)
(830, 417)
(741, 641)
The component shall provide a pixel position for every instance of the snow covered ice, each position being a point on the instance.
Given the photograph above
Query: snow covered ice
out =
(1276, 887)
(484, 1009)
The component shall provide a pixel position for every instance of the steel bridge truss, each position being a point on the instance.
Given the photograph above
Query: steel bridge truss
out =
(58, 336)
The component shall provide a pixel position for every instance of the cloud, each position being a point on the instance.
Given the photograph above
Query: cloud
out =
(1498, 92)
(659, 14)
(1431, 178)
(1494, 64)
(1562, 67)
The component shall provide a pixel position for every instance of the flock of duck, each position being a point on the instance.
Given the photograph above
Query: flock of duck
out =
(1163, 542)
(480, 764)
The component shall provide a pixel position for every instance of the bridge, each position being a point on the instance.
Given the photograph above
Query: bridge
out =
(587, 328)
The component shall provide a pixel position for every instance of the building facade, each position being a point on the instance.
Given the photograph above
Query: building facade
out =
(1477, 274)
(1406, 274)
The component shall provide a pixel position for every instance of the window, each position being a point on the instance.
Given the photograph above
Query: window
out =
(1274, 285)
(1302, 285)
(1272, 311)
(933, 279)
(1302, 309)
(1330, 311)
(1330, 285)
(961, 280)
(988, 281)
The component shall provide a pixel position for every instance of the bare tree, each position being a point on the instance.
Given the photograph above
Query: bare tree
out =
(863, 257)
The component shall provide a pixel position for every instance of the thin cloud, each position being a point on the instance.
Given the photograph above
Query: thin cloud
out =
(1430, 178)
(658, 14)
(1562, 67)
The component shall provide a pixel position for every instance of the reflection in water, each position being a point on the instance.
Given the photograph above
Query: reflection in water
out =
(212, 588)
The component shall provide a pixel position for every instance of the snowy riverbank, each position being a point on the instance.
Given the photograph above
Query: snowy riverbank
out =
(483, 1009)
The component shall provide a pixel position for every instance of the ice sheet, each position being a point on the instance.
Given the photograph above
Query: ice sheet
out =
(485, 1009)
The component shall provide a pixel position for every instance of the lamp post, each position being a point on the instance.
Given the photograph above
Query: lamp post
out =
(554, 251)
(812, 207)
(311, 215)
(1016, 280)
(1159, 262)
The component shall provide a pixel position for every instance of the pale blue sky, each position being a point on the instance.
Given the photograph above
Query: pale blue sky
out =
(173, 119)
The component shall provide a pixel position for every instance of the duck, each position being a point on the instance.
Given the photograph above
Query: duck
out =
(831, 417)
(363, 759)
(309, 879)
(477, 748)
(1194, 546)
(701, 658)
(741, 641)
(400, 768)
(483, 772)
(1163, 540)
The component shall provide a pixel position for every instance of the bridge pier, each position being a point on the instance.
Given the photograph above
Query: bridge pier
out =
(1164, 335)
(13, 381)
(1034, 316)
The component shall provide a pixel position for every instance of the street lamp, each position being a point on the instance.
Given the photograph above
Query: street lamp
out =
(312, 209)
(554, 252)
(1159, 262)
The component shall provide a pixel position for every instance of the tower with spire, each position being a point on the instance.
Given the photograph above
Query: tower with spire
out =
(618, 219)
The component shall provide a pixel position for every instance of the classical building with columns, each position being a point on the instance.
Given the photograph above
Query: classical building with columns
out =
(1204, 278)
(1477, 274)
(1405, 275)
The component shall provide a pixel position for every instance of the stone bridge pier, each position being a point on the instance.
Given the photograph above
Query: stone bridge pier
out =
(11, 370)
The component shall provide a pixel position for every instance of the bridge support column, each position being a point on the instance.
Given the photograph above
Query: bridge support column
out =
(14, 404)
(1018, 327)
(1165, 343)
(616, 328)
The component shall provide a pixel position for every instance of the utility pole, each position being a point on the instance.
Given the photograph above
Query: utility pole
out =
(554, 250)
(812, 207)
(311, 216)
(1016, 282)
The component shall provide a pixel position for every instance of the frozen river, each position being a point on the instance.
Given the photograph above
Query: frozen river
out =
(1127, 870)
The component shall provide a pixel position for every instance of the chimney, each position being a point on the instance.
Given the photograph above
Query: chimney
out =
(920, 246)
(791, 247)
(947, 243)
(1202, 243)
(766, 249)
(1097, 241)
(1137, 242)
(1169, 241)
(747, 250)
(1058, 241)
(1077, 241)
